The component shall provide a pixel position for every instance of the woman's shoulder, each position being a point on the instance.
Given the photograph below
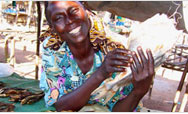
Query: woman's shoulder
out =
(51, 41)
(103, 39)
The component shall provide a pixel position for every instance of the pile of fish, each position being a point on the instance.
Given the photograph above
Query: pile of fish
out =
(6, 107)
(23, 96)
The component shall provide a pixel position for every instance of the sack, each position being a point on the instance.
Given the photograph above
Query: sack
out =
(6, 70)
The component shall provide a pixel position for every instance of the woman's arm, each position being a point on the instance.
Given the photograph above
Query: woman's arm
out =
(128, 104)
(76, 99)
(143, 72)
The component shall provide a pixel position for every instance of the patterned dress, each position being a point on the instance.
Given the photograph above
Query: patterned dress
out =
(61, 74)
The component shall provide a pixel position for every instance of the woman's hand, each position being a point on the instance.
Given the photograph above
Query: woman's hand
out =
(142, 71)
(115, 61)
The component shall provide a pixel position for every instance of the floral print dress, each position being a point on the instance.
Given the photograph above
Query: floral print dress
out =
(60, 73)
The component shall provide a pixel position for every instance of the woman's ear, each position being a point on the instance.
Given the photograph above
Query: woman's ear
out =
(53, 30)
(89, 13)
(49, 24)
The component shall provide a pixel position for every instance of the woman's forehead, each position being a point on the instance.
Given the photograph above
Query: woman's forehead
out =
(63, 4)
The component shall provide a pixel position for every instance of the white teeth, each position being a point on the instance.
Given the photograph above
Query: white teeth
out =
(77, 29)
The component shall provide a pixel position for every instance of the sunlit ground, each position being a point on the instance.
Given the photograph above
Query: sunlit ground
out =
(170, 74)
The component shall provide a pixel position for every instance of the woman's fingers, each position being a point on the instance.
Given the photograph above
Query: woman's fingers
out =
(150, 61)
(119, 69)
(134, 71)
(121, 57)
(117, 63)
(144, 62)
(137, 62)
(123, 51)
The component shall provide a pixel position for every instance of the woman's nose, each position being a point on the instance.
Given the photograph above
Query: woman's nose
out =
(68, 20)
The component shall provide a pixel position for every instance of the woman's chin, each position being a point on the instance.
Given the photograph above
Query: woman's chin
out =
(79, 40)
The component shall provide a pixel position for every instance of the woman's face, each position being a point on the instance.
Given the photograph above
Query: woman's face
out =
(69, 19)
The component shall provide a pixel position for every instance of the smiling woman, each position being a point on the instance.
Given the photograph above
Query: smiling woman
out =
(72, 14)
(74, 63)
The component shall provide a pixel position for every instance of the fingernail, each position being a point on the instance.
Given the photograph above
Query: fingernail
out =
(133, 53)
(148, 49)
(131, 59)
(139, 48)
(130, 64)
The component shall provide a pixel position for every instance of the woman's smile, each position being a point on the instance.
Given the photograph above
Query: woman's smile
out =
(70, 21)
(75, 31)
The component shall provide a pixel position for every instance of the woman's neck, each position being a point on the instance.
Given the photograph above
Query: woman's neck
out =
(82, 50)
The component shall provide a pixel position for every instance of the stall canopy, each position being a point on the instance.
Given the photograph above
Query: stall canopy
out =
(141, 10)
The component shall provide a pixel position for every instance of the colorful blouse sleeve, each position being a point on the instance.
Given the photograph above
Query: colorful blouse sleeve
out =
(51, 81)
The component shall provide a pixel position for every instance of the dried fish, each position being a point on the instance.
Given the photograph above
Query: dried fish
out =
(31, 99)
(20, 95)
(3, 95)
(6, 107)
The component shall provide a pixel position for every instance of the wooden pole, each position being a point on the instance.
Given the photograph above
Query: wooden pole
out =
(151, 87)
(6, 50)
(29, 14)
(174, 106)
(38, 43)
(42, 16)
(12, 54)
(185, 99)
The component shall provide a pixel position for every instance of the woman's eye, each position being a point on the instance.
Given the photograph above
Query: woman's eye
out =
(58, 18)
(74, 10)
